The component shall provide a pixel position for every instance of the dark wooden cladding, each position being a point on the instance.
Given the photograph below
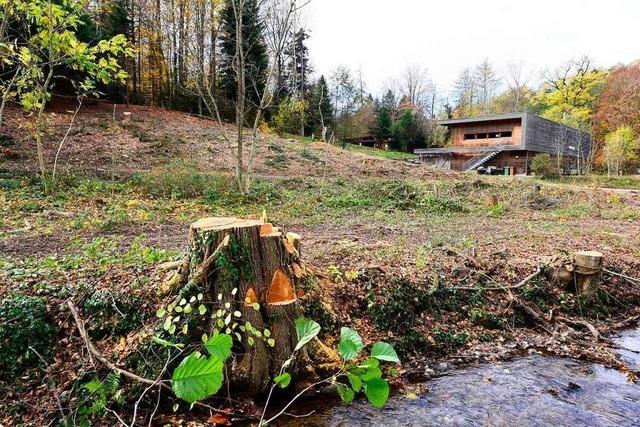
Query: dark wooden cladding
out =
(545, 136)
(508, 140)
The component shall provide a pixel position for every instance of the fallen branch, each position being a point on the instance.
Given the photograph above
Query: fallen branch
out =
(526, 280)
(623, 276)
(584, 323)
(468, 258)
(130, 375)
(207, 264)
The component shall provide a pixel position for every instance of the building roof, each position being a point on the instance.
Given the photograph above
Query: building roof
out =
(497, 117)
(463, 120)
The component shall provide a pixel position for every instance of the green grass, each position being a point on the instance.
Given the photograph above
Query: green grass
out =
(385, 154)
(630, 182)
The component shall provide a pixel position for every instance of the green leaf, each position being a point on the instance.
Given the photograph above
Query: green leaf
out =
(346, 394)
(165, 343)
(372, 373)
(385, 352)
(283, 380)
(197, 378)
(350, 344)
(220, 346)
(355, 381)
(306, 330)
(377, 392)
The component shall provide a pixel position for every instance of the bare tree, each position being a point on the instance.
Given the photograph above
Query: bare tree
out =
(416, 86)
(517, 77)
(487, 82)
(465, 92)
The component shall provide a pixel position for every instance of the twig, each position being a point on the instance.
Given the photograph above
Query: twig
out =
(296, 397)
(289, 414)
(130, 375)
(623, 276)
(584, 323)
(500, 288)
(46, 370)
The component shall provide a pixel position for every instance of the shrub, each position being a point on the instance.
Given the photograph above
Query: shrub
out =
(23, 324)
(543, 166)
(290, 116)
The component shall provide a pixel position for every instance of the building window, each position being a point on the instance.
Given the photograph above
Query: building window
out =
(492, 135)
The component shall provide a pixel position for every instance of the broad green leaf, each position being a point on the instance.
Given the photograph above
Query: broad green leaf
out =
(377, 392)
(220, 346)
(355, 381)
(197, 378)
(283, 380)
(369, 363)
(372, 373)
(350, 344)
(165, 343)
(306, 330)
(346, 394)
(385, 352)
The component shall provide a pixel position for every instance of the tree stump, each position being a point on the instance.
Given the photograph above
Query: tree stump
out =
(587, 271)
(264, 266)
(582, 274)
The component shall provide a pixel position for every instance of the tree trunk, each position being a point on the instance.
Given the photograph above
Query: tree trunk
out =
(264, 266)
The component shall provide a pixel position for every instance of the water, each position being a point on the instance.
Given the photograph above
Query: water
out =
(535, 390)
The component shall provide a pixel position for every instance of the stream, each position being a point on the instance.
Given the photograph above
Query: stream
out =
(533, 390)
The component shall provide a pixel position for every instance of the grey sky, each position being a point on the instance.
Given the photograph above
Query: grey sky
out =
(383, 36)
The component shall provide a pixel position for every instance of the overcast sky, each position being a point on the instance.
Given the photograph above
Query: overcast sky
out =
(382, 36)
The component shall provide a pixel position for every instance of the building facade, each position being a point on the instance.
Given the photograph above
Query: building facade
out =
(507, 142)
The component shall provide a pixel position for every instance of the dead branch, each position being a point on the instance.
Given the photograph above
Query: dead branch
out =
(130, 375)
(623, 276)
(207, 264)
(526, 280)
(469, 259)
(583, 323)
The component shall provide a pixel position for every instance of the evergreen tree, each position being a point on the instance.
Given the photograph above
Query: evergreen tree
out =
(116, 19)
(407, 132)
(382, 129)
(388, 102)
(255, 52)
(320, 108)
(298, 68)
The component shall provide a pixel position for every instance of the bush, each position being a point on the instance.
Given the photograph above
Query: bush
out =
(23, 324)
(543, 166)
(290, 116)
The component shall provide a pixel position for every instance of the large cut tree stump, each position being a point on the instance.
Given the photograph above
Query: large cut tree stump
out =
(264, 266)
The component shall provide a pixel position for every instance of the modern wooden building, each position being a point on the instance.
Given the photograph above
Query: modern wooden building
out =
(508, 142)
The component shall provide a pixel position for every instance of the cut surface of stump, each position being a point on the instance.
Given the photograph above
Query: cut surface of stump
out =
(255, 258)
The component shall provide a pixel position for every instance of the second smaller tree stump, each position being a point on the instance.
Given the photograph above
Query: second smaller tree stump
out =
(587, 271)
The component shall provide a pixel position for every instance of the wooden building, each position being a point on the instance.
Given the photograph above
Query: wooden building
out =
(369, 141)
(507, 142)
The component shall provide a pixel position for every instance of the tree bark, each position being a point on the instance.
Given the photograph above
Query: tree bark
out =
(265, 268)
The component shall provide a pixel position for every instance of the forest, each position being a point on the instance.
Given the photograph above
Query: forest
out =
(191, 235)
